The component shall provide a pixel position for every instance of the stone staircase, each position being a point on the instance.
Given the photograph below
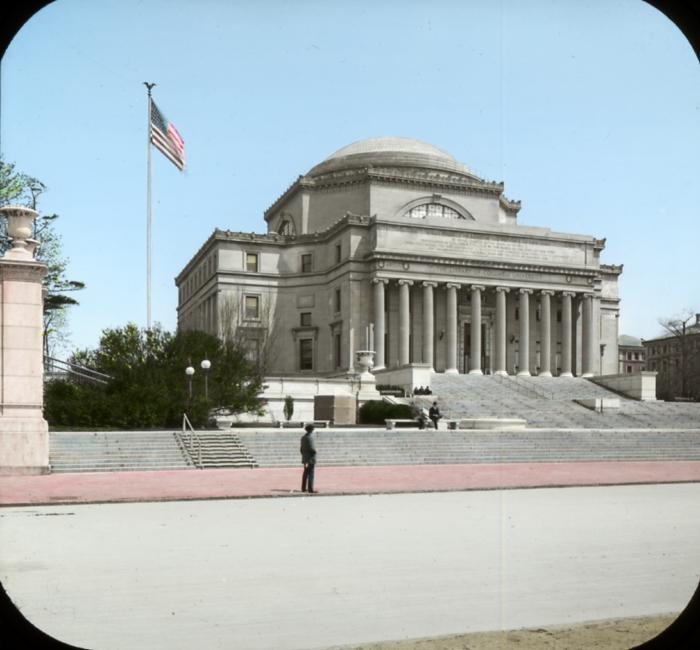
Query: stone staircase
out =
(549, 402)
(211, 449)
(126, 451)
(116, 451)
(280, 448)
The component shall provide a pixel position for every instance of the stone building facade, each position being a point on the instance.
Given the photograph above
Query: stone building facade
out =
(391, 244)
(676, 360)
(631, 355)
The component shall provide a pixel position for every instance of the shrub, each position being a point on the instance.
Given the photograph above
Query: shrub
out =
(375, 412)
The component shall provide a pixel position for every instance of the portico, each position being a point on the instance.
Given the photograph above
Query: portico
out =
(521, 330)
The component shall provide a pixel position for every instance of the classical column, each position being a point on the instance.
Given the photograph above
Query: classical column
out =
(566, 341)
(475, 352)
(404, 321)
(524, 346)
(379, 323)
(546, 337)
(588, 345)
(501, 330)
(428, 323)
(451, 352)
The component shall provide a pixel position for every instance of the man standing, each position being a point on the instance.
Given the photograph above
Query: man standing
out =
(308, 458)
(434, 414)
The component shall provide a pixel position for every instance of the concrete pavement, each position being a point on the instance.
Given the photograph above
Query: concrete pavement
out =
(307, 573)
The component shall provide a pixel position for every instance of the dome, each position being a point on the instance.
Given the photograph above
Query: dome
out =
(389, 151)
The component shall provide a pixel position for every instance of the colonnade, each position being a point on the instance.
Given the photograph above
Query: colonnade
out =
(525, 297)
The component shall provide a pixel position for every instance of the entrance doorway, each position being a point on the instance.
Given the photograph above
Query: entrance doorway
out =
(467, 346)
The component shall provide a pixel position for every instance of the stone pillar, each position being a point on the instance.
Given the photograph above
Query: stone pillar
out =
(475, 352)
(379, 323)
(588, 343)
(501, 330)
(524, 355)
(546, 334)
(404, 321)
(451, 352)
(24, 434)
(428, 323)
(566, 340)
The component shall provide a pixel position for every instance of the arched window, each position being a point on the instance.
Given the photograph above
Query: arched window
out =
(433, 210)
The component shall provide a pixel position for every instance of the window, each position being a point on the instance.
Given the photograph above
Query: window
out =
(636, 356)
(337, 349)
(433, 210)
(629, 356)
(629, 369)
(306, 263)
(338, 252)
(558, 315)
(305, 318)
(251, 262)
(252, 307)
(336, 301)
(306, 354)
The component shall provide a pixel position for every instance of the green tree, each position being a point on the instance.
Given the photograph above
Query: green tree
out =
(149, 388)
(20, 189)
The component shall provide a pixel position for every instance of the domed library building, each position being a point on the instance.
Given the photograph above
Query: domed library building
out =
(391, 245)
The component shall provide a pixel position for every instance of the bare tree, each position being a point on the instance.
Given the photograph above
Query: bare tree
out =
(684, 364)
(257, 334)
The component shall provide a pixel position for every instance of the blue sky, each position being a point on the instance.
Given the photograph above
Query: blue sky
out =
(589, 113)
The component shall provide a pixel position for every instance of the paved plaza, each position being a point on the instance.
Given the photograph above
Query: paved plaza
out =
(317, 572)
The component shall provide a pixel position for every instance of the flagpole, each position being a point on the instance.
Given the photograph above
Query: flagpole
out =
(149, 86)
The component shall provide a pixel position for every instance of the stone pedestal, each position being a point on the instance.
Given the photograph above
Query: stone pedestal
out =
(364, 361)
(24, 437)
(337, 409)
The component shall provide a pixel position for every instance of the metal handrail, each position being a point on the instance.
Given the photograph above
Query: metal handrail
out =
(186, 423)
(53, 365)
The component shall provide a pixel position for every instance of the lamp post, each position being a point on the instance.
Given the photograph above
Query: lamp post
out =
(189, 371)
(206, 364)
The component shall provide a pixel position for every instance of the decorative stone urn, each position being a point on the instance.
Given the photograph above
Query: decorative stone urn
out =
(364, 360)
(20, 224)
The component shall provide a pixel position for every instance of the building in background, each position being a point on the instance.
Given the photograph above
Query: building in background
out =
(676, 360)
(391, 245)
(631, 355)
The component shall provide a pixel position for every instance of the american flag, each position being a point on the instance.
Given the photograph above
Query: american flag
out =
(166, 139)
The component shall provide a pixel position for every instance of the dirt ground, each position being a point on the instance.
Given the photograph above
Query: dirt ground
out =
(615, 634)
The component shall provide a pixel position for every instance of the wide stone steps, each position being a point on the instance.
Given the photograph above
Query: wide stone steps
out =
(549, 402)
(115, 451)
(406, 447)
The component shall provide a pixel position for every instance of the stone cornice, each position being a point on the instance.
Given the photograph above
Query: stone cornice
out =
(589, 274)
(611, 269)
(431, 178)
(22, 271)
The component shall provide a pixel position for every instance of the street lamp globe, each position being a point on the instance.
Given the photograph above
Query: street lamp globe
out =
(189, 371)
(206, 364)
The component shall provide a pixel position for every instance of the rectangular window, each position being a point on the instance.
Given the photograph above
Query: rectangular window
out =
(251, 262)
(306, 354)
(337, 350)
(306, 263)
(559, 316)
(252, 307)
(336, 302)
(338, 252)
(629, 369)
(305, 318)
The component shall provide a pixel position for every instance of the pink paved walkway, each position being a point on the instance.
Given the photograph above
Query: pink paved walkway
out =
(177, 485)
